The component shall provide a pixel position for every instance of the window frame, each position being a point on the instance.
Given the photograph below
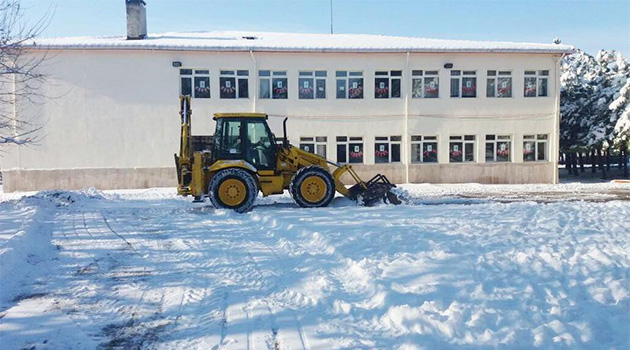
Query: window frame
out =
(537, 140)
(390, 76)
(421, 140)
(464, 140)
(316, 141)
(422, 76)
(271, 77)
(495, 76)
(346, 141)
(238, 75)
(539, 76)
(390, 141)
(345, 77)
(499, 138)
(459, 76)
(316, 76)
(193, 75)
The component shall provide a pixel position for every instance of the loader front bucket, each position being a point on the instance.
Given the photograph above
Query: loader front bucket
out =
(377, 189)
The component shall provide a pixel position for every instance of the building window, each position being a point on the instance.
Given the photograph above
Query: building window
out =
(349, 84)
(315, 145)
(349, 150)
(463, 83)
(425, 84)
(499, 84)
(195, 82)
(462, 149)
(424, 149)
(498, 148)
(234, 84)
(312, 85)
(534, 148)
(536, 83)
(387, 84)
(387, 149)
(273, 84)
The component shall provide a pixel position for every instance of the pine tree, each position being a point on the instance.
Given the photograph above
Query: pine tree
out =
(580, 80)
(621, 107)
(592, 101)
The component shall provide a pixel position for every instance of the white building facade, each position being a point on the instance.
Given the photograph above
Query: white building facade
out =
(416, 110)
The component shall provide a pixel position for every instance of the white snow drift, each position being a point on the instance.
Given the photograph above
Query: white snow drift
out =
(144, 269)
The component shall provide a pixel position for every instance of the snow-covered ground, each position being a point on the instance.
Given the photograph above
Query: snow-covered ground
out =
(464, 266)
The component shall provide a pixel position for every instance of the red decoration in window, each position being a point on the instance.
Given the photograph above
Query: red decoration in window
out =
(381, 153)
(306, 91)
(430, 90)
(383, 91)
(504, 90)
(530, 89)
(201, 90)
(456, 154)
(469, 90)
(427, 154)
(503, 153)
(280, 91)
(229, 90)
(356, 154)
(355, 92)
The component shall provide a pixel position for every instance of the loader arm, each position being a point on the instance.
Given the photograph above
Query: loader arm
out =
(296, 159)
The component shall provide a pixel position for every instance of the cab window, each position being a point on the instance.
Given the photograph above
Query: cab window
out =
(259, 150)
(229, 143)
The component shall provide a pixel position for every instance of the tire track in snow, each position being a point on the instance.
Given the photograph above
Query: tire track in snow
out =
(234, 273)
(137, 319)
(260, 221)
(171, 250)
(167, 248)
(203, 309)
(120, 236)
(90, 294)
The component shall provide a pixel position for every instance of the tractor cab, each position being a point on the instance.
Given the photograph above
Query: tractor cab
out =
(245, 137)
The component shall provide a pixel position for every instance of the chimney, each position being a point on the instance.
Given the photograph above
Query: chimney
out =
(136, 19)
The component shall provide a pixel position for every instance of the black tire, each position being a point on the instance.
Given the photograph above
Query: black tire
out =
(249, 184)
(305, 173)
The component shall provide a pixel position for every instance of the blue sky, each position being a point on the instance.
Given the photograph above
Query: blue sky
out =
(587, 24)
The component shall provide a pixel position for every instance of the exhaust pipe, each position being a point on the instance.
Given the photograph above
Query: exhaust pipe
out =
(285, 142)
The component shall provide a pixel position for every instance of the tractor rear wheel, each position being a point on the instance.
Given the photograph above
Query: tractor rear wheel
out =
(233, 189)
(312, 186)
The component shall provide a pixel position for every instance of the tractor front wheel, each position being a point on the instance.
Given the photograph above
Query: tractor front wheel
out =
(233, 189)
(312, 186)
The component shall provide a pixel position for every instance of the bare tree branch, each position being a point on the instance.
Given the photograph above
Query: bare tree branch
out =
(21, 76)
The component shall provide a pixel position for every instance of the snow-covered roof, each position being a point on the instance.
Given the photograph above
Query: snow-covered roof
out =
(294, 42)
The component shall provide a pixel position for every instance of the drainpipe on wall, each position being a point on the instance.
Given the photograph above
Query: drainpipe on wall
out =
(556, 153)
(15, 119)
(251, 53)
(406, 127)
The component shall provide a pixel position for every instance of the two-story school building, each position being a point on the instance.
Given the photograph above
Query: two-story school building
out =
(414, 109)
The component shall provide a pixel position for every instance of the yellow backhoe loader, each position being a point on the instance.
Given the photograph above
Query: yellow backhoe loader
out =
(244, 157)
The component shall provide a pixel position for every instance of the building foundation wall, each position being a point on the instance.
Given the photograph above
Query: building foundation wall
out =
(101, 178)
(127, 178)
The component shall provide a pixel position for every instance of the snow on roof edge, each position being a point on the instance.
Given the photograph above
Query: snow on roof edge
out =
(292, 42)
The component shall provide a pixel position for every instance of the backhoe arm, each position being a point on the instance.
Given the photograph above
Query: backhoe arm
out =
(183, 162)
